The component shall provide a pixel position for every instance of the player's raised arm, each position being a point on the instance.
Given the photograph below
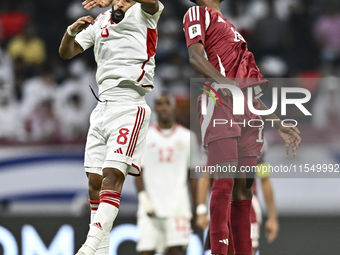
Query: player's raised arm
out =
(288, 133)
(90, 4)
(201, 64)
(69, 47)
(149, 6)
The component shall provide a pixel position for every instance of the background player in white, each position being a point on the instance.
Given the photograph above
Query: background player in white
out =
(124, 41)
(164, 209)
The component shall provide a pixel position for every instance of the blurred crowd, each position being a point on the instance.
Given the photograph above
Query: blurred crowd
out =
(46, 99)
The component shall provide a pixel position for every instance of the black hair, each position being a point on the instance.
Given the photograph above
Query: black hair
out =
(194, 1)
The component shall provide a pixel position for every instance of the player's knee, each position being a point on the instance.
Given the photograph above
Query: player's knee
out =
(241, 192)
(113, 179)
(176, 250)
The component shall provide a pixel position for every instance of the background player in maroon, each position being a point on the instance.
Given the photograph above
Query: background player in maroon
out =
(211, 35)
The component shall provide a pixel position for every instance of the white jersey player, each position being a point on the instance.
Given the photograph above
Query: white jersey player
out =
(124, 41)
(164, 210)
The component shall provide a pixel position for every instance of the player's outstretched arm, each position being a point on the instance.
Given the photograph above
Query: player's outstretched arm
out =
(201, 64)
(149, 6)
(288, 133)
(272, 224)
(90, 4)
(69, 47)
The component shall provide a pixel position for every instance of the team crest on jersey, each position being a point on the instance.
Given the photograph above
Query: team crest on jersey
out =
(194, 30)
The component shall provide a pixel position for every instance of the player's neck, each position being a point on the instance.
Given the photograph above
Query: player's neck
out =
(214, 5)
(166, 125)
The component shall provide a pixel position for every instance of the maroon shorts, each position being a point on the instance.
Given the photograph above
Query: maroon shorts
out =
(231, 149)
(220, 138)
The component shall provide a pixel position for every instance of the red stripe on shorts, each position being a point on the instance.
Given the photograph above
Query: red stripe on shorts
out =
(137, 133)
(139, 120)
(134, 130)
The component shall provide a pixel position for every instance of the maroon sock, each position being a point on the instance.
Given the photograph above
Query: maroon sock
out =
(219, 215)
(240, 224)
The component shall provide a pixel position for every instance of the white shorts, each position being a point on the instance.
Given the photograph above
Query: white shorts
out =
(156, 234)
(116, 138)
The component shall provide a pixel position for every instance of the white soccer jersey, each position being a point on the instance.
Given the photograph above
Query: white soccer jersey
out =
(165, 165)
(124, 52)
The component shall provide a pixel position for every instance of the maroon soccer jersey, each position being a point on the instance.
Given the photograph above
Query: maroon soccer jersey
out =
(225, 47)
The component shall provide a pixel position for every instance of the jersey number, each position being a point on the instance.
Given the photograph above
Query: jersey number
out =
(105, 32)
(122, 138)
(168, 157)
(260, 138)
(238, 36)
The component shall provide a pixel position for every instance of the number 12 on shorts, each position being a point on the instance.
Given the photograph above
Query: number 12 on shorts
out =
(260, 138)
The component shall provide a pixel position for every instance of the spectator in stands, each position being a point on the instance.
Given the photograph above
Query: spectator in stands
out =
(42, 124)
(75, 101)
(27, 46)
(6, 72)
(11, 128)
(12, 19)
(327, 32)
(326, 106)
(38, 93)
(270, 35)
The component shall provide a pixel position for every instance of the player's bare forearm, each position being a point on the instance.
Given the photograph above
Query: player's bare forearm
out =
(202, 189)
(149, 6)
(269, 197)
(277, 124)
(201, 64)
(68, 46)
(272, 224)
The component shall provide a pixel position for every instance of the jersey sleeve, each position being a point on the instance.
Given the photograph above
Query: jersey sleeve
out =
(195, 23)
(151, 20)
(85, 38)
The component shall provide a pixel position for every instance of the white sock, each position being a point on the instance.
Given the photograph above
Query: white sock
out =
(103, 247)
(101, 223)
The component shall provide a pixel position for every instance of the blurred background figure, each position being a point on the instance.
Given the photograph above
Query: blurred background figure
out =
(327, 32)
(326, 106)
(11, 128)
(27, 46)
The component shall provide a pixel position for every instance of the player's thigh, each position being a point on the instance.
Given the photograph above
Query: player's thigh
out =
(177, 231)
(223, 155)
(126, 132)
(95, 149)
(151, 233)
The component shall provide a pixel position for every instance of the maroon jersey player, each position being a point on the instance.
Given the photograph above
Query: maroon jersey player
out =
(218, 51)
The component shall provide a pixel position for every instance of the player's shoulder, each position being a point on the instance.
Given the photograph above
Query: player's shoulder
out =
(104, 16)
(195, 13)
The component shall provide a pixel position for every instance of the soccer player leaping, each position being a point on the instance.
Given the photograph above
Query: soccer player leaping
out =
(210, 34)
(124, 41)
